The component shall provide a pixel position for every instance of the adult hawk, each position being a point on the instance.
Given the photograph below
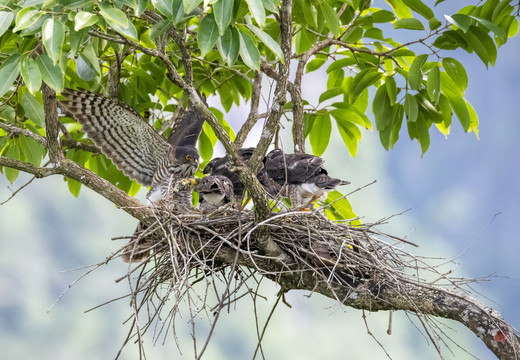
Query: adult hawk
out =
(302, 177)
(135, 148)
(221, 166)
(214, 191)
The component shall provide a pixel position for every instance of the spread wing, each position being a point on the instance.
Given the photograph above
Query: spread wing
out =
(119, 132)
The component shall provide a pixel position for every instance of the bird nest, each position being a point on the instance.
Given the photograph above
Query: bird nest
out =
(192, 256)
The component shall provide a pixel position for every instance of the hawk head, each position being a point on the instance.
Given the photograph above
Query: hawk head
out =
(183, 160)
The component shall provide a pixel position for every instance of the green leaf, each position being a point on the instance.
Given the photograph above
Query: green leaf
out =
(160, 28)
(25, 18)
(74, 187)
(411, 109)
(433, 84)
(419, 7)
(320, 134)
(267, 40)
(32, 151)
(330, 94)
(363, 80)
(256, 8)
(31, 74)
(461, 21)
(382, 16)
(415, 74)
(223, 10)
(12, 152)
(483, 45)
(350, 113)
(383, 112)
(53, 35)
(400, 9)
(165, 7)
(190, 5)
(350, 134)
(6, 18)
(229, 45)
(315, 64)
(456, 72)
(492, 27)
(208, 34)
(456, 100)
(116, 16)
(249, 52)
(51, 73)
(423, 134)
(89, 56)
(331, 18)
(8, 73)
(84, 19)
(410, 24)
(434, 24)
(341, 63)
(473, 123)
(34, 110)
(391, 89)
(341, 208)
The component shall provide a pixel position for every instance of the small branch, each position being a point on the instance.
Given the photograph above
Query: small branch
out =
(14, 130)
(253, 113)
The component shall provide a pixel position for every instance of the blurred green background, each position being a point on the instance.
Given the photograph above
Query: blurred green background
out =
(454, 192)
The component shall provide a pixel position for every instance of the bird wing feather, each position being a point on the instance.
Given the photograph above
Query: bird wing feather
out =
(119, 132)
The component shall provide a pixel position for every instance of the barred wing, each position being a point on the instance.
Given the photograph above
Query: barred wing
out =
(119, 132)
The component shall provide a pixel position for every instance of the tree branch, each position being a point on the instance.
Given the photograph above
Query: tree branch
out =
(14, 130)
(253, 113)
(52, 124)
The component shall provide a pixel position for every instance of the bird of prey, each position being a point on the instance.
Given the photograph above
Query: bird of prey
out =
(302, 177)
(221, 166)
(134, 147)
(214, 191)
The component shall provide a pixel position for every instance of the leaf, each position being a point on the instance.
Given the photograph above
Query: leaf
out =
(383, 16)
(456, 72)
(74, 187)
(350, 134)
(8, 73)
(249, 52)
(326, 95)
(341, 63)
(331, 18)
(349, 113)
(165, 7)
(411, 109)
(34, 110)
(267, 40)
(31, 150)
(423, 134)
(473, 123)
(434, 24)
(53, 35)
(116, 16)
(208, 34)
(6, 18)
(256, 8)
(400, 9)
(51, 73)
(361, 81)
(30, 74)
(433, 84)
(84, 19)
(419, 7)
(25, 18)
(391, 89)
(229, 45)
(89, 56)
(383, 112)
(408, 23)
(223, 10)
(84, 69)
(320, 134)
(456, 100)
(315, 64)
(12, 152)
(160, 28)
(482, 44)
(415, 74)
(461, 21)
(190, 5)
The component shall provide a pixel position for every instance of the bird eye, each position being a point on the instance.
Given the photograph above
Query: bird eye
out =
(188, 157)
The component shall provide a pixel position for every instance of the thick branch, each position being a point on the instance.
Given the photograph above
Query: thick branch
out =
(14, 130)
(52, 124)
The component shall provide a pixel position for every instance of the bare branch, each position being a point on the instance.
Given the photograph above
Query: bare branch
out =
(14, 130)
(253, 113)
